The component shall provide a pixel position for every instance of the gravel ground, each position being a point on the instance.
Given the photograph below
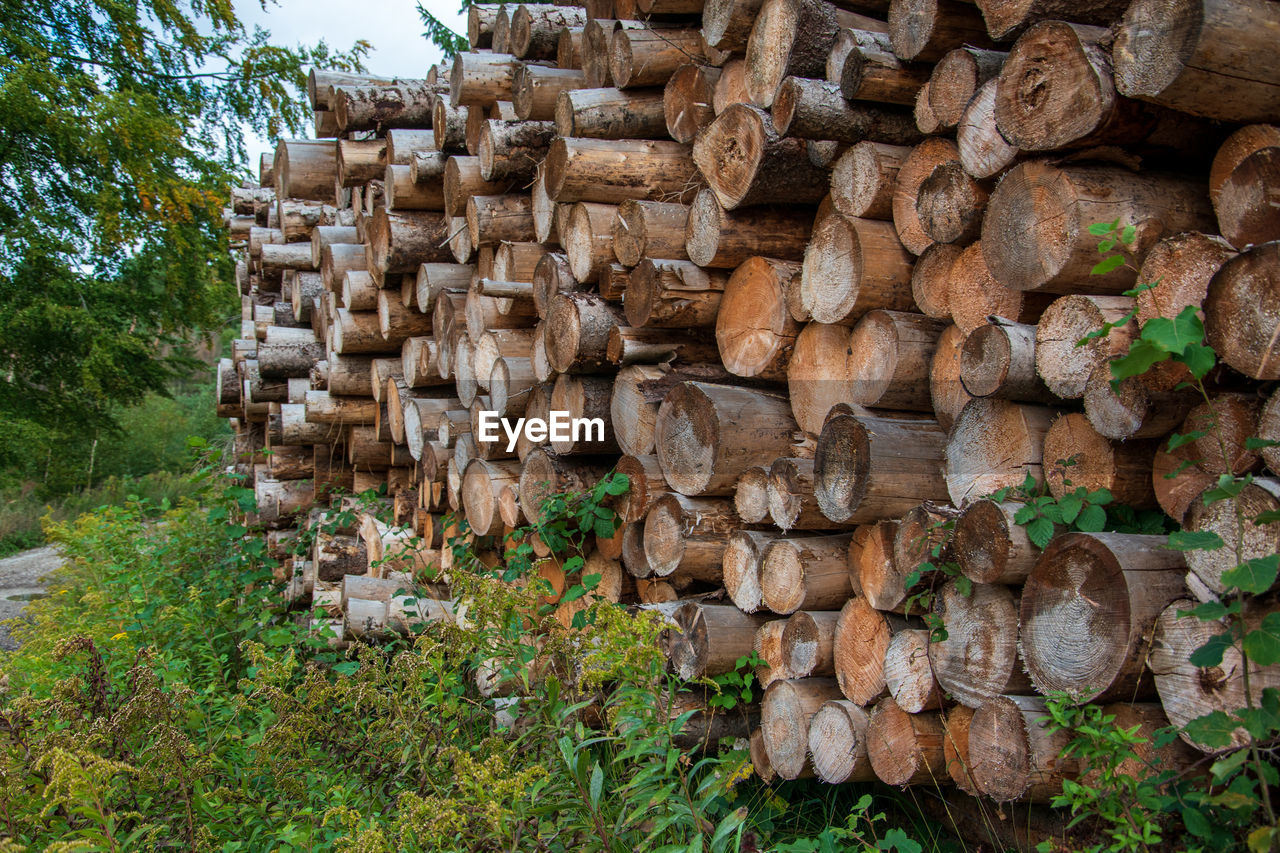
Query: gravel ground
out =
(20, 582)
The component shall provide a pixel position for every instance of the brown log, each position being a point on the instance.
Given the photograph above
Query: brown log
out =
(357, 332)
(1197, 57)
(889, 357)
(688, 536)
(1061, 361)
(1188, 692)
(1081, 457)
(990, 547)
(645, 485)
(805, 573)
(290, 462)
(726, 24)
(673, 294)
(570, 47)
(535, 28)
(481, 78)
(871, 467)
(999, 360)
(610, 114)
(791, 499)
(975, 295)
(955, 748)
(1051, 209)
(360, 161)
(462, 180)
(545, 474)
(707, 639)
(926, 121)
(628, 345)
(631, 412)
(511, 382)
(1179, 269)
(863, 180)
(1088, 609)
(494, 219)
(688, 100)
(906, 749)
(745, 161)
(587, 238)
(853, 266)
(511, 150)
(1237, 148)
(815, 109)
(785, 712)
(612, 171)
(755, 332)
(931, 280)
(925, 30)
(449, 125)
(869, 71)
(1240, 311)
(648, 57)
(584, 397)
(731, 87)
(325, 235)
(399, 242)
(537, 90)
(956, 79)
(740, 566)
(993, 444)
(306, 169)
(286, 360)
(817, 377)
(1234, 520)
(398, 323)
(652, 229)
(275, 258)
(915, 170)
(1013, 753)
(1134, 409)
(552, 276)
(405, 103)
(791, 38)
(577, 332)
(984, 152)
(908, 674)
(715, 237)
(950, 204)
(838, 743)
(979, 659)
(707, 435)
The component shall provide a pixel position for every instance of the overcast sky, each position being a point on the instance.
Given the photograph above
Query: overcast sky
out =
(393, 27)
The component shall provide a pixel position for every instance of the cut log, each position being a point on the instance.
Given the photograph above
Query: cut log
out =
(956, 79)
(785, 712)
(791, 38)
(1240, 311)
(740, 566)
(955, 747)
(629, 345)
(688, 101)
(889, 357)
(1013, 753)
(494, 219)
(707, 639)
(853, 266)
(871, 467)
(906, 749)
(449, 125)
(481, 484)
(815, 109)
(732, 86)
(673, 294)
(286, 360)
(975, 295)
(1081, 457)
(545, 474)
(306, 169)
(925, 30)
(908, 675)
(535, 29)
(399, 242)
(1050, 210)
(462, 180)
(405, 103)
(653, 229)
(511, 150)
(871, 72)
(1234, 520)
(726, 24)
(577, 332)
(978, 660)
(915, 170)
(612, 171)
(993, 444)
(586, 399)
(537, 90)
(648, 57)
(715, 237)
(1237, 148)
(805, 573)
(1088, 610)
(1178, 270)
(816, 375)
(999, 360)
(587, 237)
(1198, 57)
(610, 114)
(950, 204)
(863, 180)
(990, 547)
(862, 636)
(688, 536)
(751, 495)
(1061, 361)
(745, 161)
(754, 330)
(707, 435)
(481, 79)
(632, 413)
(838, 743)
(984, 152)
(360, 161)
(792, 503)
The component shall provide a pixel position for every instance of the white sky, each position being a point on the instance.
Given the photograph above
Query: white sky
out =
(393, 27)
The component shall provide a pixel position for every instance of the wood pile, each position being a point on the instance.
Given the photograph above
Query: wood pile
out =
(820, 269)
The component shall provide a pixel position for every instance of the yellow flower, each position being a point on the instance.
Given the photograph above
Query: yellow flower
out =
(121, 635)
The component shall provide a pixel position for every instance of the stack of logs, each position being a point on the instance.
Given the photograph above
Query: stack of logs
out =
(821, 269)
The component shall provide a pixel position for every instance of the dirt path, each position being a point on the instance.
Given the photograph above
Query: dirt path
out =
(20, 577)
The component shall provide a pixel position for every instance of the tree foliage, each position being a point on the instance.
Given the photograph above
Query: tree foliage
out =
(121, 126)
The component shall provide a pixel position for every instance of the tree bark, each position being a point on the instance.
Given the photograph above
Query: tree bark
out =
(816, 109)
(853, 266)
(606, 113)
(746, 162)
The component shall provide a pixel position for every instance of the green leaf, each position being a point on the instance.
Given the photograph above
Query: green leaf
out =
(1141, 356)
(1198, 358)
(1173, 334)
(597, 785)
(1070, 506)
(1254, 576)
(1102, 229)
(1040, 532)
(1260, 723)
(1262, 644)
(1209, 611)
(1255, 443)
(1107, 264)
(1214, 730)
(618, 484)
(1196, 823)
(1210, 654)
(1177, 440)
(591, 581)
(1195, 540)
(1128, 233)
(1092, 519)
(896, 839)
(1025, 513)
